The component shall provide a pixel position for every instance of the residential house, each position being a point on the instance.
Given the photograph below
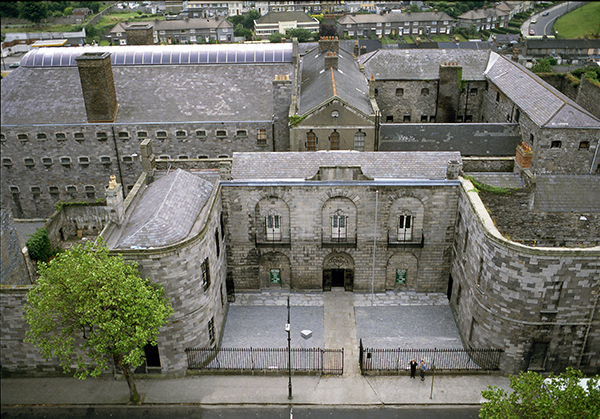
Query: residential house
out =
(484, 19)
(193, 31)
(281, 22)
(395, 24)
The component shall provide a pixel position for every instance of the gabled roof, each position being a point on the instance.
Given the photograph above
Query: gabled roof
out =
(395, 17)
(417, 64)
(166, 211)
(376, 165)
(185, 24)
(320, 84)
(276, 17)
(546, 106)
(119, 28)
(581, 44)
(483, 14)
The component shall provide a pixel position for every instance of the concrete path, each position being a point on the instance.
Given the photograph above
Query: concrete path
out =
(340, 327)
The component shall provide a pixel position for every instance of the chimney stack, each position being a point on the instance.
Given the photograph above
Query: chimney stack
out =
(99, 95)
(331, 60)
(356, 49)
(329, 43)
(114, 201)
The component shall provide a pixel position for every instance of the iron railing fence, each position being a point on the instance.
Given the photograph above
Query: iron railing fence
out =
(316, 360)
(397, 360)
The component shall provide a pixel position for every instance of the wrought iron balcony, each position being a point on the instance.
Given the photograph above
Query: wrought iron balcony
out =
(340, 241)
(414, 240)
(262, 240)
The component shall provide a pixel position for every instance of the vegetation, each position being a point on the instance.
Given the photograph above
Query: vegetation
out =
(488, 188)
(276, 37)
(544, 65)
(90, 308)
(38, 245)
(583, 21)
(33, 11)
(296, 119)
(535, 398)
(303, 35)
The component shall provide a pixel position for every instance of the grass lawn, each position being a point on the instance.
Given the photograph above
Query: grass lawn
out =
(42, 28)
(386, 40)
(408, 40)
(584, 21)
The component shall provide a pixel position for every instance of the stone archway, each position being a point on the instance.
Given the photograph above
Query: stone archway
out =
(338, 271)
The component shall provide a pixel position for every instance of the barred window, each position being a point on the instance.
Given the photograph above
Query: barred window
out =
(23, 137)
(61, 136)
(41, 136)
(29, 162)
(205, 275)
(79, 136)
(123, 135)
(161, 135)
(101, 136)
(261, 137)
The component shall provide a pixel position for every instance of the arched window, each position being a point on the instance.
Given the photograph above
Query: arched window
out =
(311, 141)
(339, 226)
(359, 141)
(334, 138)
(405, 227)
(273, 226)
(424, 91)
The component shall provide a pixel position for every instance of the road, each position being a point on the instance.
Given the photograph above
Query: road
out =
(242, 412)
(544, 24)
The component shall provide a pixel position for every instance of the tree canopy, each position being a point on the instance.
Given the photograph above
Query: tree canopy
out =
(303, 35)
(534, 397)
(34, 11)
(544, 65)
(89, 308)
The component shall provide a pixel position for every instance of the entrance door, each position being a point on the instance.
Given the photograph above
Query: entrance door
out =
(537, 358)
(349, 280)
(337, 277)
(326, 279)
(449, 291)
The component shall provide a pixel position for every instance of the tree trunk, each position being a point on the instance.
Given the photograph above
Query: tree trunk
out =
(134, 397)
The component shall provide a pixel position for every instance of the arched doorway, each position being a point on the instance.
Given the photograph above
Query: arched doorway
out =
(338, 271)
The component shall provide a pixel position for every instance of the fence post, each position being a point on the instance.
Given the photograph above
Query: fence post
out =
(360, 357)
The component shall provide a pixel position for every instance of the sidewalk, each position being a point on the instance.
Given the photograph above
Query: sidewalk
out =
(254, 390)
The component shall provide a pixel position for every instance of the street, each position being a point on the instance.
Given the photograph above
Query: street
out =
(241, 412)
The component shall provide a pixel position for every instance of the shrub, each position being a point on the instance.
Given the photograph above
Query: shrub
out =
(38, 245)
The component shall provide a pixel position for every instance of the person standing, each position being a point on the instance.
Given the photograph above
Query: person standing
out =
(413, 368)
(423, 369)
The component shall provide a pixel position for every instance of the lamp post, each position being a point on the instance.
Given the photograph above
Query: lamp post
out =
(288, 330)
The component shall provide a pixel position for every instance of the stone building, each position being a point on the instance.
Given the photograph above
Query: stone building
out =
(192, 31)
(227, 196)
(281, 22)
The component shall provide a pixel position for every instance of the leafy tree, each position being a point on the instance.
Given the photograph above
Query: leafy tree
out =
(239, 30)
(535, 398)
(327, 30)
(34, 11)
(68, 11)
(90, 308)
(276, 38)
(544, 65)
(250, 17)
(236, 19)
(9, 9)
(94, 6)
(414, 8)
(38, 245)
(303, 35)
(57, 6)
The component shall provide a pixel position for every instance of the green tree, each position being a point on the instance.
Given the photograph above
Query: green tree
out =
(250, 17)
(303, 35)
(94, 6)
(236, 19)
(90, 308)
(38, 245)
(9, 9)
(239, 30)
(544, 65)
(276, 38)
(34, 11)
(326, 29)
(535, 398)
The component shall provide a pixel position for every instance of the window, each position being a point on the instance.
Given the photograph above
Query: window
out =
(376, 92)
(161, 135)
(584, 145)
(311, 141)
(468, 118)
(142, 134)
(473, 91)
(273, 226)
(338, 226)
(405, 227)
(23, 137)
(241, 133)
(123, 135)
(127, 159)
(71, 188)
(556, 144)
(2, 137)
(14, 190)
(101, 136)
(221, 133)
(424, 91)
(389, 118)
(164, 157)
(211, 331)
(261, 137)
(203, 156)
(359, 141)
(335, 140)
(61, 136)
(79, 136)
(65, 161)
(200, 133)
(29, 162)
(84, 161)
(105, 160)
(36, 191)
(7, 162)
(47, 161)
(41, 136)
(423, 118)
(53, 191)
(406, 118)
(205, 275)
(399, 92)
(181, 134)
(218, 248)
(90, 191)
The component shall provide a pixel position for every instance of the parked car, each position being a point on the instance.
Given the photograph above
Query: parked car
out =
(533, 21)
(531, 32)
(15, 65)
(545, 13)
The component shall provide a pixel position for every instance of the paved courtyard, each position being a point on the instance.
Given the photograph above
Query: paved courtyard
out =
(382, 320)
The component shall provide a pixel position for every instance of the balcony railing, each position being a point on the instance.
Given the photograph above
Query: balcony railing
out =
(338, 241)
(264, 240)
(415, 240)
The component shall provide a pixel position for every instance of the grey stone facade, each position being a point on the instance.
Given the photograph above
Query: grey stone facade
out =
(537, 304)
(14, 267)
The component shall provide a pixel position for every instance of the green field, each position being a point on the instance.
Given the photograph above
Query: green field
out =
(584, 21)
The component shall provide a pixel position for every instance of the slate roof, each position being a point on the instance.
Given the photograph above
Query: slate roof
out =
(302, 165)
(415, 64)
(471, 139)
(166, 211)
(395, 17)
(575, 44)
(319, 85)
(501, 180)
(186, 24)
(483, 14)
(275, 17)
(146, 93)
(555, 193)
(546, 106)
